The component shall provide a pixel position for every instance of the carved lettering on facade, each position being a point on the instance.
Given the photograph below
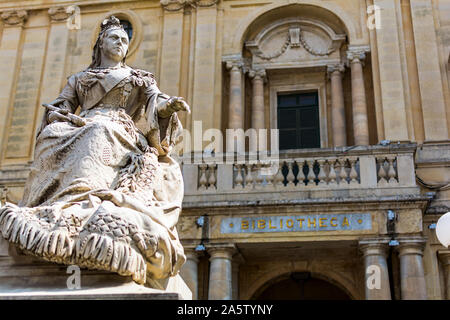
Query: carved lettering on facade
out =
(318, 222)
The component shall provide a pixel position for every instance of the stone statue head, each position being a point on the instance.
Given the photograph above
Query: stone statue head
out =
(110, 29)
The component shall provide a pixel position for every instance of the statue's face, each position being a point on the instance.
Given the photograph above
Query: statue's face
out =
(115, 44)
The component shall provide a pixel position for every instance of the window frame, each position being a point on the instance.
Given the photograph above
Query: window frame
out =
(301, 88)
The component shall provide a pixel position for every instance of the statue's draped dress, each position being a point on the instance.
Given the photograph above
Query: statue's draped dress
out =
(105, 195)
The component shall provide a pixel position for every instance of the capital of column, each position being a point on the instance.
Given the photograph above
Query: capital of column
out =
(222, 252)
(335, 68)
(234, 65)
(357, 54)
(411, 246)
(60, 14)
(191, 254)
(257, 74)
(444, 257)
(14, 17)
(374, 247)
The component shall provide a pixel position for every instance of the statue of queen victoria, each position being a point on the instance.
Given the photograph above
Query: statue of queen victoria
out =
(103, 192)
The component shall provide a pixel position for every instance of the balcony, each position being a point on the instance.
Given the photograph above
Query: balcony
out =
(362, 173)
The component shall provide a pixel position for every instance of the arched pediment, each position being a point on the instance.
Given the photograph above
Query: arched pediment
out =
(293, 41)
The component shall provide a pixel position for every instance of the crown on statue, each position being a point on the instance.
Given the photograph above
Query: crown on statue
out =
(111, 23)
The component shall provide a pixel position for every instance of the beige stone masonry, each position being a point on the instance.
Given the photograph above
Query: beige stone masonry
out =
(392, 89)
(204, 67)
(431, 89)
(9, 49)
(171, 52)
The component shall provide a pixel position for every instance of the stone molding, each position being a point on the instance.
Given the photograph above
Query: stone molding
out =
(294, 38)
(14, 17)
(60, 14)
(176, 5)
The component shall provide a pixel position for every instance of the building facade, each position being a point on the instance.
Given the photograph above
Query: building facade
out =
(358, 90)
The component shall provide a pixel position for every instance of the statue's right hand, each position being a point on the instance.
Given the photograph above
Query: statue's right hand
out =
(55, 116)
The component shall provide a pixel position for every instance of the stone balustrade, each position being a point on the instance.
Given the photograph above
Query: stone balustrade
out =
(370, 168)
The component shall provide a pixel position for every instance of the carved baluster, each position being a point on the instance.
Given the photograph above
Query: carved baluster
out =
(321, 176)
(278, 177)
(353, 174)
(290, 177)
(212, 176)
(311, 174)
(301, 175)
(249, 177)
(332, 175)
(391, 171)
(259, 178)
(381, 171)
(202, 182)
(238, 181)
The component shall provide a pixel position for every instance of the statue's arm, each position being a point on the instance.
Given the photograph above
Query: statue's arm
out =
(68, 98)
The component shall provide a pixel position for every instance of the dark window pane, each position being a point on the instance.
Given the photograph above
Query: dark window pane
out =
(288, 139)
(308, 117)
(288, 100)
(287, 119)
(308, 99)
(310, 138)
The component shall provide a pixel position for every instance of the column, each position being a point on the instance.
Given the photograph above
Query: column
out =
(359, 105)
(189, 271)
(376, 280)
(220, 273)
(235, 110)
(258, 77)
(9, 51)
(444, 257)
(412, 274)
(337, 106)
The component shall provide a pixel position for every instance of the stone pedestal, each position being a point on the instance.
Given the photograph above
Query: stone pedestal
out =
(374, 254)
(220, 273)
(412, 275)
(26, 277)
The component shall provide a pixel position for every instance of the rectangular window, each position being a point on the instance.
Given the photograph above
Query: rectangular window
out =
(298, 120)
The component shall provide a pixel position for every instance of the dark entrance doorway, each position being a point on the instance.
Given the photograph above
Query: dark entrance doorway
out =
(300, 286)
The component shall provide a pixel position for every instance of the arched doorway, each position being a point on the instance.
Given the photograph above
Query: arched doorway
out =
(300, 286)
